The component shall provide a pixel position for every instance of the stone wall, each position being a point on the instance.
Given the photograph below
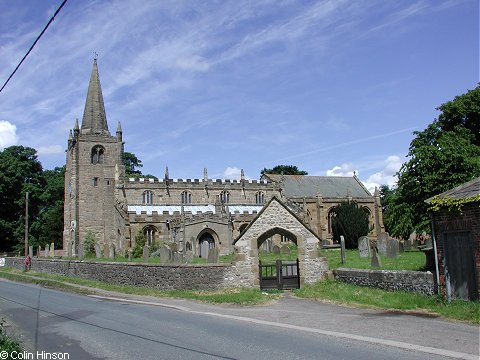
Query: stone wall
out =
(165, 277)
(411, 281)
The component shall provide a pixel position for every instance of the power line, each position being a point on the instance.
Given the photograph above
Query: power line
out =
(33, 45)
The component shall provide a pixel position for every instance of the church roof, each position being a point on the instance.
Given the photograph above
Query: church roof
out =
(304, 186)
(94, 117)
(193, 209)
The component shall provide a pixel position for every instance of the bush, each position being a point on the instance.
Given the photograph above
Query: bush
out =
(140, 242)
(89, 244)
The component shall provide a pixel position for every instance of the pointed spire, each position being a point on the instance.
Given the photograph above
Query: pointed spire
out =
(119, 131)
(166, 173)
(94, 117)
(242, 175)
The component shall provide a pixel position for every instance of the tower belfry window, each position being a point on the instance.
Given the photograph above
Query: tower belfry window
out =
(98, 155)
(186, 197)
(147, 197)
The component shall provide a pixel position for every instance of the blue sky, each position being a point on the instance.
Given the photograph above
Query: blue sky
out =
(329, 86)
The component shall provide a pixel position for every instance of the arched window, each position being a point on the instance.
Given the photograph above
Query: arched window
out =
(150, 231)
(224, 197)
(98, 154)
(259, 198)
(147, 197)
(186, 197)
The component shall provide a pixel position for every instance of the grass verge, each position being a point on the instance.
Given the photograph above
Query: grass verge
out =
(7, 343)
(241, 296)
(342, 293)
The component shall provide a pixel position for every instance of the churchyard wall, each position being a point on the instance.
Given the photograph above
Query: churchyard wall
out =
(394, 280)
(165, 277)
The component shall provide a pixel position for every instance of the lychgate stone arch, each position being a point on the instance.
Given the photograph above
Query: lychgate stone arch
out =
(276, 218)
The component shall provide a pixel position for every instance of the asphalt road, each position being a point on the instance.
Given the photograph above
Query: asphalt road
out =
(96, 328)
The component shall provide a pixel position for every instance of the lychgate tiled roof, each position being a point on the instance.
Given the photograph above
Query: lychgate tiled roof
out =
(467, 190)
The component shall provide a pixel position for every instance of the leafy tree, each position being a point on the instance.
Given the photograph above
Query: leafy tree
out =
(131, 163)
(140, 242)
(444, 155)
(89, 244)
(20, 171)
(350, 221)
(284, 169)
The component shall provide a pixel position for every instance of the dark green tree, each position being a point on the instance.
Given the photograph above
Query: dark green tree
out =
(20, 171)
(132, 163)
(350, 221)
(284, 169)
(444, 155)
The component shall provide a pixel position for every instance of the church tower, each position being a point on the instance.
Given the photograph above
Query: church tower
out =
(93, 178)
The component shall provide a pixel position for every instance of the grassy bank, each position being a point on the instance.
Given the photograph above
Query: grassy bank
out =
(342, 293)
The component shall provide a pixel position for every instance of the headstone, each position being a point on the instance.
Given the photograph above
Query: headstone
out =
(416, 243)
(407, 245)
(69, 250)
(81, 253)
(111, 251)
(276, 249)
(46, 253)
(165, 255)
(392, 249)
(382, 239)
(30, 251)
(375, 259)
(98, 251)
(52, 250)
(38, 251)
(213, 254)
(204, 249)
(285, 249)
(401, 246)
(146, 253)
(188, 246)
(342, 249)
(428, 243)
(106, 250)
(177, 258)
(364, 247)
(130, 254)
(188, 258)
(326, 242)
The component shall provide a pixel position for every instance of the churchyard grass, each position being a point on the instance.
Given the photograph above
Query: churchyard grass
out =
(410, 260)
(241, 296)
(7, 343)
(342, 293)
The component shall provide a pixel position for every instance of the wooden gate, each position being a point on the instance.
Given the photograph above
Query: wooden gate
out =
(460, 265)
(281, 275)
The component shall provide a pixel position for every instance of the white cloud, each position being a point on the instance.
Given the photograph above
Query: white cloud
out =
(8, 134)
(233, 173)
(342, 170)
(385, 176)
(50, 150)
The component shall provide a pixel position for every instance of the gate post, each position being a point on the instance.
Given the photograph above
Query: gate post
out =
(279, 274)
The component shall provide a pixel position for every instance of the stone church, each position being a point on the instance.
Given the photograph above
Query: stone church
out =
(194, 214)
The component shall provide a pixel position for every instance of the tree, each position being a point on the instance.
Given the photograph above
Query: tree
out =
(131, 162)
(442, 156)
(350, 221)
(284, 169)
(20, 171)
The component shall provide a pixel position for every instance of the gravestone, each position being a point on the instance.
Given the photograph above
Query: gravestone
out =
(401, 246)
(130, 254)
(416, 243)
(165, 255)
(146, 253)
(38, 251)
(188, 258)
(213, 254)
(326, 243)
(111, 251)
(364, 247)
(428, 243)
(342, 249)
(69, 250)
(30, 251)
(407, 245)
(204, 246)
(285, 249)
(177, 258)
(375, 259)
(46, 253)
(106, 250)
(392, 249)
(276, 249)
(81, 253)
(52, 250)
(98, 251)
(188, 246)
(382, 239)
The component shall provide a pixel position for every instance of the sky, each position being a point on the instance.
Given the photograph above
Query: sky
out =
(332, 87)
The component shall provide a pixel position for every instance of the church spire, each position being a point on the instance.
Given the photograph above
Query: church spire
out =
(94, 117)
